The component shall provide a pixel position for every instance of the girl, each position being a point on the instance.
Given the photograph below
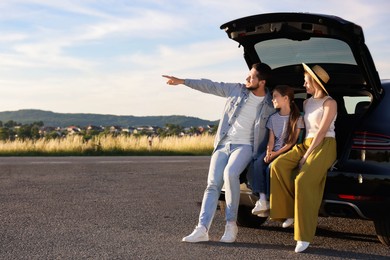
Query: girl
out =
(299, 199)
(284, 128)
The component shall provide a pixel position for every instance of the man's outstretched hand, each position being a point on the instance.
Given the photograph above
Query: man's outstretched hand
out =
(173, 80)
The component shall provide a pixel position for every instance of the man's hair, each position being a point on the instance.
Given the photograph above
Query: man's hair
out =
(263, 71)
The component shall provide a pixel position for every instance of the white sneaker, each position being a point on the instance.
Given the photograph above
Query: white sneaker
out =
(199, 234)
(230, 234)
(301, 246)
(288, 222)
(264, 214)
(260, 206)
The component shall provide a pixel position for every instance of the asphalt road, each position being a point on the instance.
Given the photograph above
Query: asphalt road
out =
(140, 208)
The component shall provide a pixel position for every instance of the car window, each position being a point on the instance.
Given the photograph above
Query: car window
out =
(356, 105)
(284, 52)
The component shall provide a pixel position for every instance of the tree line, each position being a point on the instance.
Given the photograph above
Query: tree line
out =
(12, 130)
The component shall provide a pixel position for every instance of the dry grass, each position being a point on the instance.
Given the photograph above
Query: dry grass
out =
(109, 145)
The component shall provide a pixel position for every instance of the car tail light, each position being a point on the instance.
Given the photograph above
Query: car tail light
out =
(358, 197)
(370, 141)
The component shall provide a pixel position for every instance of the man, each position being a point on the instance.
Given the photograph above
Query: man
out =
(240, 139)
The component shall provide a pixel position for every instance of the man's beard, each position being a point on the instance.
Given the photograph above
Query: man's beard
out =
(252, 87)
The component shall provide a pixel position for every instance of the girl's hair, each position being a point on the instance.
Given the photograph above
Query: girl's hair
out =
(291, 130)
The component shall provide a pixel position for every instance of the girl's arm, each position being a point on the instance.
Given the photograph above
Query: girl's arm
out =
(330, 110)
(270, 147)
(286, 147)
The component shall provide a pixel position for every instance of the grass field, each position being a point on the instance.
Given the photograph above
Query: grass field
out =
(109, 145)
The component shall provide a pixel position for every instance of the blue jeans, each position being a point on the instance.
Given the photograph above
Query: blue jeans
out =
(226, 165)
(261, 176)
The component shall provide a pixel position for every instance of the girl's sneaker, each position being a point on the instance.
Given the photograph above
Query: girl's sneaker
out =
(260, 207)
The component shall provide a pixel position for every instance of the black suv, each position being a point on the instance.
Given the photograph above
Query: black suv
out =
(358, 184)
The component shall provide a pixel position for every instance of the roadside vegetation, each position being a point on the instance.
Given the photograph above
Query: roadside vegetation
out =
(28, 140)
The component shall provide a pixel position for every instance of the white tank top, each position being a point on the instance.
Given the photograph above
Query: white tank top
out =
(314, 110)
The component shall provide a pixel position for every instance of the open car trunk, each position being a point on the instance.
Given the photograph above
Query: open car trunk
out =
(286, 40)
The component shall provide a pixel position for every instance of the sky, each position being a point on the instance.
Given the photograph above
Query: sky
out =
(107, 57)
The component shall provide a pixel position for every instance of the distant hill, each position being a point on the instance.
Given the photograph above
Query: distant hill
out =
(27, 116)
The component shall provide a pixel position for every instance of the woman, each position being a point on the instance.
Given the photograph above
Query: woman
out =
(298, 199)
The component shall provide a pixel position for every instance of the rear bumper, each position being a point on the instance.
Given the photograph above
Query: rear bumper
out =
(341, 209)
(345, 196)
(356, 195)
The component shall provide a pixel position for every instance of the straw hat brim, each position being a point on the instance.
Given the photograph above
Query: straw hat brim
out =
(314, 76)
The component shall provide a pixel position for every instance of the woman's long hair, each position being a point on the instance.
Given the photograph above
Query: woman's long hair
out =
(292, 128)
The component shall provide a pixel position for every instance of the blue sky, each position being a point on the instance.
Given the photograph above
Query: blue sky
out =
(107, 57)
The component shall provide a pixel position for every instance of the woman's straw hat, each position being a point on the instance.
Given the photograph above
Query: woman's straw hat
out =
(318, 74)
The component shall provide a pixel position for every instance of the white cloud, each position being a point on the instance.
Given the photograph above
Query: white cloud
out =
(188, 57)
(12, 37)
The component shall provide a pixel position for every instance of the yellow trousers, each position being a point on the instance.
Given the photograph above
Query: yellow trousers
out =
(298, 193)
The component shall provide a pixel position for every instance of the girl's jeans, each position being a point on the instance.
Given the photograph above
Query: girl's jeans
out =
(226, 165)
(261, 176)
